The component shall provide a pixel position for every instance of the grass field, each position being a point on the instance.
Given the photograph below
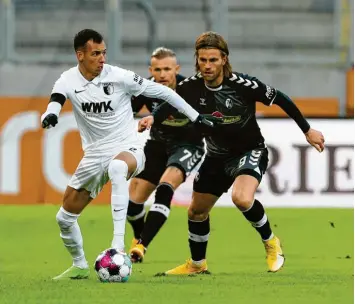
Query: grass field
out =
(318, 269)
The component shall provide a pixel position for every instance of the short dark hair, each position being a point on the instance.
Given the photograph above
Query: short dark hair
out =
(84, 36)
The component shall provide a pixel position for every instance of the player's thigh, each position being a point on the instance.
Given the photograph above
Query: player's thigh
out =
(90, 175)
(76, 200)
(185, 158)
(211, 177)
(243, 191)
(201, 205)
(155, 164)
(133, 156)
(248, 171)
(140, 190)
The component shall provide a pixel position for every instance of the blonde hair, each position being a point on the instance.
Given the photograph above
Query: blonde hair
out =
(212, 40)
(162, 52)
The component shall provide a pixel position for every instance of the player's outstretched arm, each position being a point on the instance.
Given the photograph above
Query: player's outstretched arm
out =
(204, 122)
(162, 112)
(136, 85)
(50, 118)
(314, 137)
(156, 90)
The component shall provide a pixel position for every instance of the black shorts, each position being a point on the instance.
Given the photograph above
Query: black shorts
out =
(159, 156)
(216, 175)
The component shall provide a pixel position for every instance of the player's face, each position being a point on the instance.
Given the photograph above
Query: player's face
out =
(93, 57)
(164, 71)
(210, 63)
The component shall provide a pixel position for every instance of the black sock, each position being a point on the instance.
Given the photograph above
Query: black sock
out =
(198, 238)
(257, 217)
(135, 216)
(158, 213)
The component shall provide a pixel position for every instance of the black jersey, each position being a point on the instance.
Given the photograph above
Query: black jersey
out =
(176, 128)
(235, 102)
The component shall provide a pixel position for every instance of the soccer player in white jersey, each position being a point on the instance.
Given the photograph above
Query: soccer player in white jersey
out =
(101, 98)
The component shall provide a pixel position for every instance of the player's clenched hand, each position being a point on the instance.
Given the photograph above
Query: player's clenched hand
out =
(205, 123)
(49, 120)
(316, 139)
(145, 123)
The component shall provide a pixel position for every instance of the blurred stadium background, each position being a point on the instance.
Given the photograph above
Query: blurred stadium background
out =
(302, 47)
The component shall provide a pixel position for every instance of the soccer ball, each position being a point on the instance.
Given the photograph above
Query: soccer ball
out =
(113, 266)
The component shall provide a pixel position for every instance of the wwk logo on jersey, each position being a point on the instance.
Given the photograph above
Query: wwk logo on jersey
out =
(98, 108)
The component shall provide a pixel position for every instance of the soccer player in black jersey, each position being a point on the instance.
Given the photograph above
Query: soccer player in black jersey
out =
(236, 152)
(172, 151)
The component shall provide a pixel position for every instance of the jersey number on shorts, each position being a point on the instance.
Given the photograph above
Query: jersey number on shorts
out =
(253, 158)
(187, 155)
(191, 162)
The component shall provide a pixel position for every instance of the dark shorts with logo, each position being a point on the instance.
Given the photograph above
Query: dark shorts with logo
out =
(159, 156)
(216, 174)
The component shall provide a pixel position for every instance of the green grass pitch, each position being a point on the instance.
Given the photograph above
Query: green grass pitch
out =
(318, 245)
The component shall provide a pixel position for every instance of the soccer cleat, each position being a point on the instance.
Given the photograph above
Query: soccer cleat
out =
(274, 256)
(137, 253)
(73, 273)
(189, 268)
(133, 243)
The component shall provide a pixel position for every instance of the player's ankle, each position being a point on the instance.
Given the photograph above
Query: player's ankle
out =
(81, 262)
(198, 263)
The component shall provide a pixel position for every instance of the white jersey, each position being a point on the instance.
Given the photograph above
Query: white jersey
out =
(102, 107)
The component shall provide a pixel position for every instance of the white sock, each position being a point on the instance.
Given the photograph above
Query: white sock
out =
(71, 236)
(199, 263)
(270, 237)
(118, 171)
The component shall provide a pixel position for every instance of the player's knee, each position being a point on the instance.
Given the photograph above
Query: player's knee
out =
(139, 190)
(173, 176)
(65, 219)
(197, 214)
(242, 198)
(117, 169)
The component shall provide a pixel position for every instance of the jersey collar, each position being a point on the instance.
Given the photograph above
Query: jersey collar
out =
(214, 89)
(95, 81)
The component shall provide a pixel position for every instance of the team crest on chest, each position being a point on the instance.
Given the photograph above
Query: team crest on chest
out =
(108, 88)
(229, 103)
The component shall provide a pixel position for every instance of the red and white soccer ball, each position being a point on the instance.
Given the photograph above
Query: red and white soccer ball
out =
(113, 266)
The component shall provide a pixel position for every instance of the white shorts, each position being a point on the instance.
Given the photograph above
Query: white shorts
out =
(92, 171)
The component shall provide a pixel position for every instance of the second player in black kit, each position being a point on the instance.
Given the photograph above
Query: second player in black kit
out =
(172, 142)
(236, 150)
(172, 152)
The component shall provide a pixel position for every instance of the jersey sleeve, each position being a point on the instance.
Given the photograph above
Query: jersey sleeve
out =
(60, 87)
(254, 89)
(159, 91)
(181, 89)
(137, 103)
(134, 84)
